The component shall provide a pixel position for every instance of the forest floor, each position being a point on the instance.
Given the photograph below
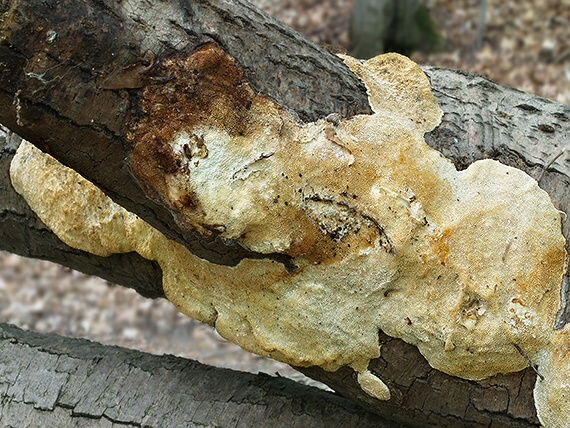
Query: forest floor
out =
(526, 45)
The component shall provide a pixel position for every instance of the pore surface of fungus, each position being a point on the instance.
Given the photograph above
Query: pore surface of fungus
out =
(385, 234)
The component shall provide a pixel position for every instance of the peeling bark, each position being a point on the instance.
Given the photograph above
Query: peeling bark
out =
(482, 120)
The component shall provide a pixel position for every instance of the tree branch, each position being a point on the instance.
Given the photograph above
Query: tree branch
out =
(50, 380)
(76, 67)
(481, 120)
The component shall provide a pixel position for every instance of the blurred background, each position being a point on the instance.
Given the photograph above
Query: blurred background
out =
(522, 43)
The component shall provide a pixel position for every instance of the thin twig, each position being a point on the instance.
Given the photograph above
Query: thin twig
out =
(550, 164)
(531, 365)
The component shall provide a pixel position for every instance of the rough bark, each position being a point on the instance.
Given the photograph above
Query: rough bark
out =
(49, 380)
(482, 120)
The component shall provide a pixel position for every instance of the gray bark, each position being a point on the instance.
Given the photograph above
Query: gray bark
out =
(52, 381)
(482, 120)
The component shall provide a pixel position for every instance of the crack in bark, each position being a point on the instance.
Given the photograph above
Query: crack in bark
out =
(93, 384)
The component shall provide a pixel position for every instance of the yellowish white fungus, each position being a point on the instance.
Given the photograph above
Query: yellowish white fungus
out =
(385, 233)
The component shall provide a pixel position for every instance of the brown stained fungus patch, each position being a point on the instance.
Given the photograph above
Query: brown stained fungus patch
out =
(206, 84)
(205, 117)
(386, 234)
(192, 93)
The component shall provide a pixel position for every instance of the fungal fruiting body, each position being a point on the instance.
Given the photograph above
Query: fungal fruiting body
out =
(385, 234)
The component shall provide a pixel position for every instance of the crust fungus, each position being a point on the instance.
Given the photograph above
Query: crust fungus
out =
(385, 233)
